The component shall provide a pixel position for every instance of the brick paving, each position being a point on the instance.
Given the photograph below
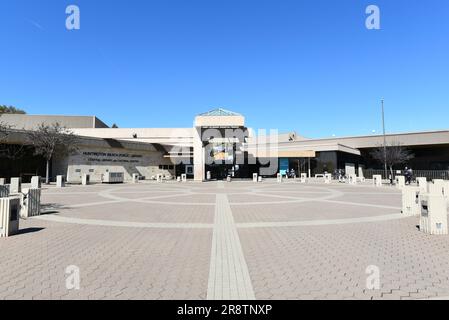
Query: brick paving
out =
(223, 240)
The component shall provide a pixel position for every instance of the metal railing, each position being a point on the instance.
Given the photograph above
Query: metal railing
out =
(429, 174)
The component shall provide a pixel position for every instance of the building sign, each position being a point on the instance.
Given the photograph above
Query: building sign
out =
(283, 164)
(112, 157)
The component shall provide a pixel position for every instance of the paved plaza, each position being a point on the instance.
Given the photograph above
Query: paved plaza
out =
(219, 240)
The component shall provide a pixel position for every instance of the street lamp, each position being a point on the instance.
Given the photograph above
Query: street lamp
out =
(385, 140)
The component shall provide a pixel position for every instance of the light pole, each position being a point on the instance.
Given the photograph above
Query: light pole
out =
(385, 141)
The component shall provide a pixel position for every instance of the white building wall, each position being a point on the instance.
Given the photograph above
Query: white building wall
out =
(97, 162)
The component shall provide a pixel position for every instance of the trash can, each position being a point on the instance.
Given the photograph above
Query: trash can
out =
(411, 205)
(400, 181)
(377, 180)
(9, 216)
(36, 182)
(279, 177)
(30, 201)
(436, 187)
(4, 191)
(422, 184)
(352, 179)
(433, 214)
(303, 177)
(15, 185)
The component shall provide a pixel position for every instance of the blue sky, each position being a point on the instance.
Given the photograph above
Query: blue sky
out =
(304, 65)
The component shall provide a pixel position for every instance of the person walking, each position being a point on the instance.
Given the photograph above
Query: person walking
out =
(409, 175)
(406, 175)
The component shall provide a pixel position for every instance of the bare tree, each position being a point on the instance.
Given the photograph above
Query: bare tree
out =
(395, 154)
(7, 150)
(49, 140)
(4, 131)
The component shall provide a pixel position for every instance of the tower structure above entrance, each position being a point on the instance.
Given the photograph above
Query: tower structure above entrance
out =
(207, 125)
(220, 118)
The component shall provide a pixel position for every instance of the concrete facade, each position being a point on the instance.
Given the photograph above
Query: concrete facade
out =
(31, 122)
(98, 157)
(152, 151)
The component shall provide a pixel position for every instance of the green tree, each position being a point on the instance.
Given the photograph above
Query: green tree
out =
(51, 140)
(10, 110)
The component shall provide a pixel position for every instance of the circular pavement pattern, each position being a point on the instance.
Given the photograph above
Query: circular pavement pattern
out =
(337, 202)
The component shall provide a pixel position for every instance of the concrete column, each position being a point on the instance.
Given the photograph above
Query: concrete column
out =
(310, 170)
(198, 156)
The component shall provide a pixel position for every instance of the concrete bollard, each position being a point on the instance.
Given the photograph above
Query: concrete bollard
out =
(411, 204)
(9, 216)
(208, 176)
(2, 181)
(184, 178)
(16, 185)
(433, 214)
(377, 180)
(260, 179)
(303, 178)
(279, 178)
(422, 184)
(135, 178)
(60, 182)
(400, 181)
(255, 177)
(159, 178)
(36, 182)
(229, 179)
(327, 178)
